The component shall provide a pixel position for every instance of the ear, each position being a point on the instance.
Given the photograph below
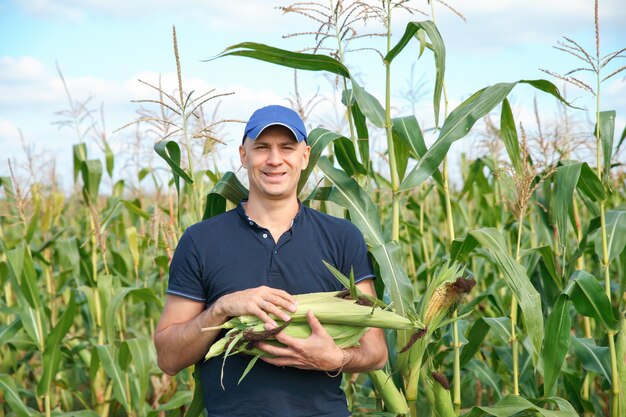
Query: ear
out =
(243, 157)
(305, 157)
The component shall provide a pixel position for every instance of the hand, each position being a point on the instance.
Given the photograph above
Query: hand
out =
(318, 351)
(260, 301)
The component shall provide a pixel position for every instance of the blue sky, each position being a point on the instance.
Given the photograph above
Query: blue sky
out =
(103, 47)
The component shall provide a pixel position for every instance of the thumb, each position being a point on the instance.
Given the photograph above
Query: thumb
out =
(314, 323)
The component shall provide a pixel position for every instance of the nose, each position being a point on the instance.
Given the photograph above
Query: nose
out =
(274, 157)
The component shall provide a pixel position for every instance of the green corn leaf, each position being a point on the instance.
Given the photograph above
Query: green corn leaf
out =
(142, 294)
(118, 189)
(389, 258)
(32, 323)
(462, 247)
(80, 155)
(486, 375)
(52, 352)
(475, 177)
(593, 358)
(34, 221)
(15, 260)
(346, 157)
(297, 60)
(29, 284)
(369, 105)
(566, 178)
(500, 327)
(439, 50)
(12, 397)
(517, 280)
(407, 130)
(590, 184)
(615, 235)
(178, 400)
(549, 261)
(227, 188)
(109, 159)
(75, 413)
(215, 204)
(459, 123)
(318, 140)
(513, 405)
(475, 337)
(401, 151)
(347, 193)
(114, 207)
(590, 299)
(143, 357)
(8, 331)
(362, 134)
(558, 326)
(133, 244)
(91, 172)
(170, 152)
(196, 407)
(107, 357)
(607, 132)
(508, 131)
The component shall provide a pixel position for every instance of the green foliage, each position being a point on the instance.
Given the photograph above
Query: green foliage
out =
(83, 276)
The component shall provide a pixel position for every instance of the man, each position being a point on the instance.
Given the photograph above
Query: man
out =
(250, 260)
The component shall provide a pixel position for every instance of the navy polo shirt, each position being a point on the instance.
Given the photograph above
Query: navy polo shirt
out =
(230, 252)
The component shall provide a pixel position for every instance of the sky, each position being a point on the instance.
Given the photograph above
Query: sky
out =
(102, 48)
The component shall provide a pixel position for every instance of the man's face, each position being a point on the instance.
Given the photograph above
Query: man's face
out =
(274, 161)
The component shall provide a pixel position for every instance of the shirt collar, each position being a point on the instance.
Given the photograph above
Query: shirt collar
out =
(244, 217)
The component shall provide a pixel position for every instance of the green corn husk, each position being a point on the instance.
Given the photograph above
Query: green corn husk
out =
(345, 320)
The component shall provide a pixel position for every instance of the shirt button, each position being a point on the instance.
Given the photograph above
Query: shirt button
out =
(264, 235)
(251, 223)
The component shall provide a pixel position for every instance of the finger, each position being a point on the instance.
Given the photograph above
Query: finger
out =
(271, 308)
(287, 340)
(265, 318)
(282, 299)
(278, 351)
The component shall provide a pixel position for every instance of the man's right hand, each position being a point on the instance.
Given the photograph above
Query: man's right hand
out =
(260, 301)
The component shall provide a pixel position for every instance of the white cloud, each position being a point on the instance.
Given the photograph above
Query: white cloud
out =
(20, 69)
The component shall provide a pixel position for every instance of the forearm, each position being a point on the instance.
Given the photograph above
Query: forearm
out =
(183, 344)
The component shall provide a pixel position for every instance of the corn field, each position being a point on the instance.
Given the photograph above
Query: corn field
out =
(541, 234)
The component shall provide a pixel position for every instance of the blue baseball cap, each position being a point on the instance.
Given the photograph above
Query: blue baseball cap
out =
(271, 116)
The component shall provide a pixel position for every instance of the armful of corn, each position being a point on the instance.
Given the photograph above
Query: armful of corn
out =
(346, 320)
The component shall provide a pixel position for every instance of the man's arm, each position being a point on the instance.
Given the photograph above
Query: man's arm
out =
(320, 352)
(178, 337)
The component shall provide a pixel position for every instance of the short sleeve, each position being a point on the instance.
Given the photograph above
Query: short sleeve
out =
(186, 271)
(355, 256)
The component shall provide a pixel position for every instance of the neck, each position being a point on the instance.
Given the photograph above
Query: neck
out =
(272, 214)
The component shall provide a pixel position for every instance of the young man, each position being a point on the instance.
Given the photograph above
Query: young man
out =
(250, 260)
